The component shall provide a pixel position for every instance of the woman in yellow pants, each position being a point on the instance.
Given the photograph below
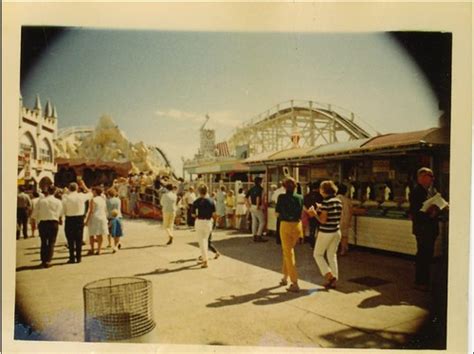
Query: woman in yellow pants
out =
(288, 208)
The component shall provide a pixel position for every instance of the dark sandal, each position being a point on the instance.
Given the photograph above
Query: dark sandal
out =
(293, 288)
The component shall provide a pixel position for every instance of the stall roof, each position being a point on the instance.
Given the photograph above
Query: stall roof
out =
(263, 156)
(293, 153)
(417, 139)
(433, 136)
(221, 166)
(337, 148)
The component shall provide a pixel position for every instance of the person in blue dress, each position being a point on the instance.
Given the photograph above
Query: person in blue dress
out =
(116, 229)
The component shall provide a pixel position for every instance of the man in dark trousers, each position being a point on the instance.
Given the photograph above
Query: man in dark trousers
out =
(255, 201)
(74, 205)
(23, 208)
(48, 213)
(425, 226)
(311, 200)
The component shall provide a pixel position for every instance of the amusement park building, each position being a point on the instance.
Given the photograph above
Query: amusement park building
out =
(37, 133)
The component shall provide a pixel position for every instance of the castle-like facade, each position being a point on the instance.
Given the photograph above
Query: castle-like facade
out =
(37, 130)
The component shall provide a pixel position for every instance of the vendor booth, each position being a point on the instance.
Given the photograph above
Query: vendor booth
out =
(379, 173)
(233, 174)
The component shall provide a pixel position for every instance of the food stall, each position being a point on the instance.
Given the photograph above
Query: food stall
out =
(231, 173)
(379, 173)
(276, 168)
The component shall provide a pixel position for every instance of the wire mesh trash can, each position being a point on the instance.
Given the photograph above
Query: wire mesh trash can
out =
(117, 309)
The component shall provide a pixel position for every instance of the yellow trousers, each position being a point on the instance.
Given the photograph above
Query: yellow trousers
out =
(290, 232)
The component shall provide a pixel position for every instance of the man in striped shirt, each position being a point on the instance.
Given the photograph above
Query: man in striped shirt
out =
(329, 215)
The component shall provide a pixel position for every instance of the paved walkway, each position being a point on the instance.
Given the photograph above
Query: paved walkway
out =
(236, 301)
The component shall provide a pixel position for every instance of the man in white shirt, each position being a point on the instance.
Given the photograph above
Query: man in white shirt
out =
(74, 205)
(48, 214)
(168, 203)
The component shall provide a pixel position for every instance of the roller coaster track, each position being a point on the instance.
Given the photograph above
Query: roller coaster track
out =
(338, 113)
(165, 158)
(315, 122)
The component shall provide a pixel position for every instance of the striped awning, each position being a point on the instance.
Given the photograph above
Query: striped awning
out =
(222, 149)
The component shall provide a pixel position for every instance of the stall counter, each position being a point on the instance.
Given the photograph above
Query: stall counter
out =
(389, 234)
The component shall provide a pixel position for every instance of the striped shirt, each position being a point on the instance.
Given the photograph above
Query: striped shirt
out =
(333, 207)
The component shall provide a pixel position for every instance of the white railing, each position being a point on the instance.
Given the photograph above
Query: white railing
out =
(309, 104)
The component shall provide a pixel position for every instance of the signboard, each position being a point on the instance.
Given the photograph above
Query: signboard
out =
(381, 166)
(318, 172)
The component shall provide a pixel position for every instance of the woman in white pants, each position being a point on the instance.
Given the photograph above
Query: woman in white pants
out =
(329, 234)
(204, 210)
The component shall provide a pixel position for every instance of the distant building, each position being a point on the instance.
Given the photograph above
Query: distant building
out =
(37, 133)
(208, 143)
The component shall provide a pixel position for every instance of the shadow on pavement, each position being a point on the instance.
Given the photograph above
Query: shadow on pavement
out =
(57, 245)
(382, 339)
(361, 338)
(381, 273)
(264, 296)
(180, 261)
(32, 267)
(385, 299)
(390, 275)
(141, 247)
(159, 271)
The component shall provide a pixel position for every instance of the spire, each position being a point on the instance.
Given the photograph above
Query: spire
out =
(55, 112)
(48, 111)
(38, 103)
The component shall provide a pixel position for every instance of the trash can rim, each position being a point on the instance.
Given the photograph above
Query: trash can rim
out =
(88, 285)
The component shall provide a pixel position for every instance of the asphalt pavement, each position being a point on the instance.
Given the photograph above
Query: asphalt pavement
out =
(237, 301)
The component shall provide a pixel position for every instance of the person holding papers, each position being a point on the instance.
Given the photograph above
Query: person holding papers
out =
(424, 216)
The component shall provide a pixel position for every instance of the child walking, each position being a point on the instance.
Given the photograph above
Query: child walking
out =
(116, 229)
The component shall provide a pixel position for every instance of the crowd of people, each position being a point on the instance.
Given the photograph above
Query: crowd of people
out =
(321, 218)
(77, 206)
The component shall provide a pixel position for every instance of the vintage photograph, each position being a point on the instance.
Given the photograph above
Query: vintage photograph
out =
(239, 188)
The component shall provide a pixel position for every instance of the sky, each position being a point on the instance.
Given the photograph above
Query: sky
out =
(159, 85)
